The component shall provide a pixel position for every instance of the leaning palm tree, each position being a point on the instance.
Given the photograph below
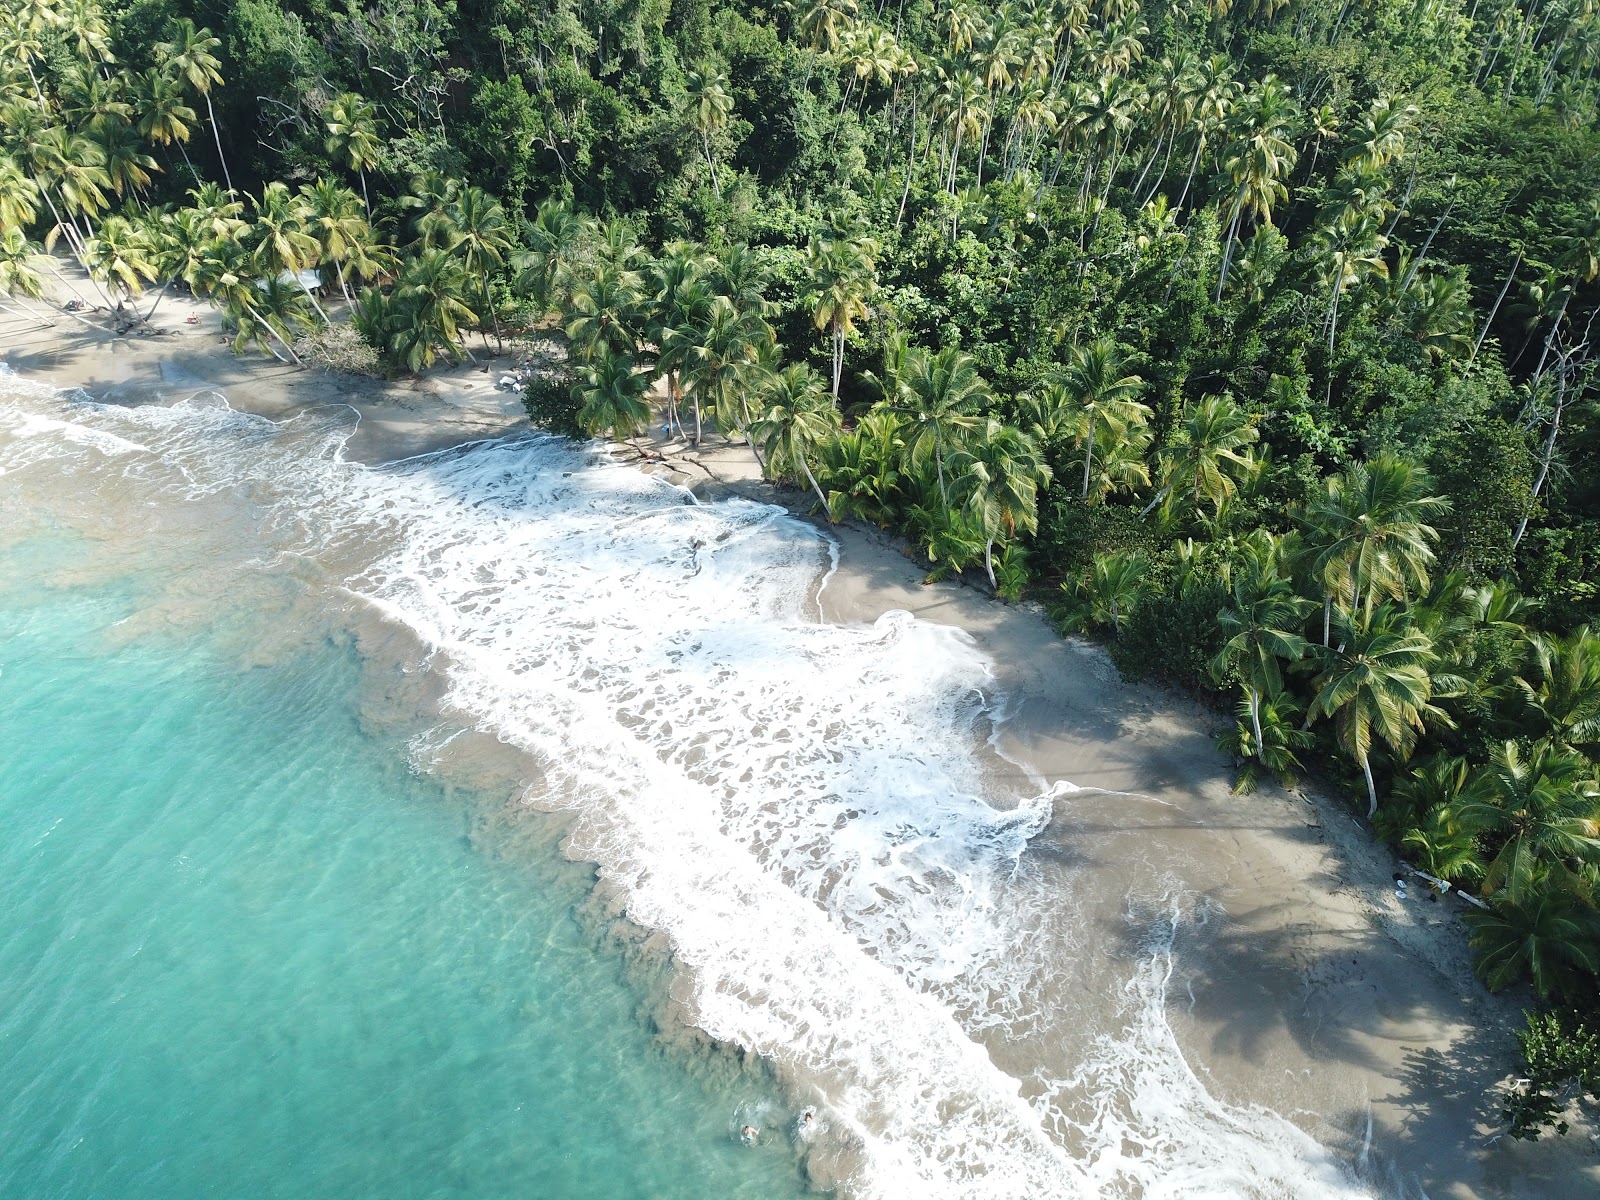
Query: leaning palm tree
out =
(19, 281)
(163, 116)
(276, 311)
(19, 196)
(1099, 395)
(119, 257)
(999, 471)
(797, 420)
(227, 276)
(127, 166)
(1542, 806)
(611, 396)
(940, 395)
(190, 54)
(1377, 685)
(725, 356)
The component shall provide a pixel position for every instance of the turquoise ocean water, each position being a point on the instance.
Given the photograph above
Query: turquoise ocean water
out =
(246, 951)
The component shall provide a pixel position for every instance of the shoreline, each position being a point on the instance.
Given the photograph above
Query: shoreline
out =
(1313, 989)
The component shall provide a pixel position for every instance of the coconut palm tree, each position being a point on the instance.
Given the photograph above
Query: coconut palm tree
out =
(277, 311)
(1565, 704)
(227, 275)
(1367, 535)
(554, 241)
(163, 117)
(605, 313)
(1100, 396)
(797, 420)
(1376, 685)
(999, 472)
(1551, 938)
(940, 395)
(482, 240)
(1261, 628)
(19, 195)
(1209, 455)
(430, 305)
(611, 396)
(190, 54)
(352, 137)
(1113, 587)
(722, 357)
(19, 281)
(713, 107)
(333, 216)
(282, 241)
(119, 256)
(127, 166)
(843, 284)
(1543, 808)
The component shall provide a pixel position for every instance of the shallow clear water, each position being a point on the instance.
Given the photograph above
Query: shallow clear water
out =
(245, 951)
(252, 946)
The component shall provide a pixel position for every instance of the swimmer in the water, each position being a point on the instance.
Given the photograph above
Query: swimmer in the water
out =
(748, 1135)
(808, 1117)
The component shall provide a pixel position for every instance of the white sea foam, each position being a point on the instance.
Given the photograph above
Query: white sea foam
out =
(801, 807)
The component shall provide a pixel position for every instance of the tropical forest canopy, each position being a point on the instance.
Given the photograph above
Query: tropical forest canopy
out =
(1257, 338)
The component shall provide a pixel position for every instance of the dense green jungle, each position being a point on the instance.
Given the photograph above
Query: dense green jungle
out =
(1256, 339)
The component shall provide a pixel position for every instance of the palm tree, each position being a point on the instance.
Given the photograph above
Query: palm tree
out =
(163, 116)
(117, 255)
(798, 420)
(611, 396)
(1113, 587)
(1100, 396)
(1211, 449)
(1550, 937)
(274, 310)
(431, 308)
(282, 241)
(1377, 685)
(190, 54)
(720, 357)
(482, 239)
(1000, 472)
(228, 276)
(18, 279)
(1543, 806)
(19, 196)
(1262, 632)
(680, 298)
(708, 93)
(1565, 706)
(73, 168)
(843, 282)
(333, 216)
(1367, 534)
(1350, 251)
(352, 137)
(127, 166)
(604, 313)
(940, 395)
(1260, 161)
(554, 240)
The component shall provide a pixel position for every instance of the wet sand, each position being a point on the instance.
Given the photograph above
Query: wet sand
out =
(1312, 989)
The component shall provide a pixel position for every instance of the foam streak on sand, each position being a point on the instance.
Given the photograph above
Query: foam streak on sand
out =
(802, 807)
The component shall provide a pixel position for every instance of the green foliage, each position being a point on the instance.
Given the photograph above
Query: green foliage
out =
(1561, 1050)
(552, 405)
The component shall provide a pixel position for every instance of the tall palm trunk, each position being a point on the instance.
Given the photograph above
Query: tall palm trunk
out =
(1372, 788)
(217, 133)
(1088, 458)
(815, 487)
(1489, 320)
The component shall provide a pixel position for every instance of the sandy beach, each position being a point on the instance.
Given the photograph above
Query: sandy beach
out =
(1310, 987)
